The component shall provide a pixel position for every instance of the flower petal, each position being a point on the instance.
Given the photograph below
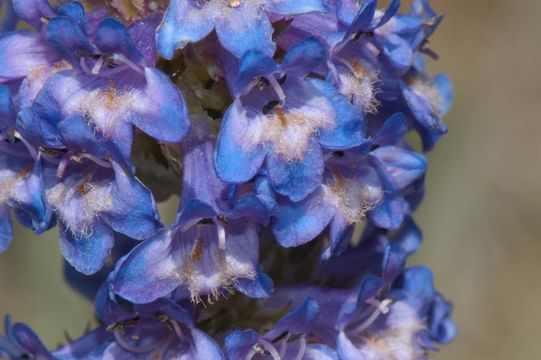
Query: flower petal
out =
(6, 229)
(253, 65)
(396, 52)
(113, 37)
(287, 7)
(296, 179)
(22, 51)
(303, 58)
(183, 23)
(348, 130)
(393, 130)
(246, 28)
(165, 115)
(33, 11)
(87, 253)
(296, 223)
(320, 352)
(7, 109)
(202, 347)
(150, 271)
(404, 166)
(237, 157)
(259, 287)
(67, 38)
(133, 211)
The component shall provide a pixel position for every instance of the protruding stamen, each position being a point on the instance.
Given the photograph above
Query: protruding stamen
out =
(234, 3)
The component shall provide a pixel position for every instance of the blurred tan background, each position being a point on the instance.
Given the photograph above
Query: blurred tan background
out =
(480, 217)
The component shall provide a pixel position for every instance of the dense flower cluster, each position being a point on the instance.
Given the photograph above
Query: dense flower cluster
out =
(282, 124)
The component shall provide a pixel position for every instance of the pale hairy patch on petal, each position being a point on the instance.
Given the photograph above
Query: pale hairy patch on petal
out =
(359, 86)
(200, 283)
(10, 182)
(353, 198)
(36, 78)
(425, 89)
(106, 109)
(93, 199)
(398, 340)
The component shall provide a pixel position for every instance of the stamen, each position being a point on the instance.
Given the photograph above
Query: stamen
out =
(79, 157)
(302, 348)
(262, 82)
(277, 88)
(381, 308)
(271, 349)
(176, 328)
(220, 228)
(283, 345)
(84, 66)
(29, 146)
(234, 3)
(97, 66)
(62, 166)
(270, 105)
(117, 332)
(131, 64)
(263, 347)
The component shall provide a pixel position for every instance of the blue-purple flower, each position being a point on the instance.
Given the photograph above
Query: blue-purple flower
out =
(281, 120)
(240, 25)
(212, 245)
(355, 186)
(92, 203)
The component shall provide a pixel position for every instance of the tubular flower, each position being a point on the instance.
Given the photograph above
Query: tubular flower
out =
(282, 127)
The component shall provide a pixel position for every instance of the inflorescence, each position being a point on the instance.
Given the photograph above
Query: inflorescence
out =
(283, 125)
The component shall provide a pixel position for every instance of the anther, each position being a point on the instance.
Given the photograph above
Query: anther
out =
(382, 307)
(262, 82)
(270, 105)
(205, 222)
